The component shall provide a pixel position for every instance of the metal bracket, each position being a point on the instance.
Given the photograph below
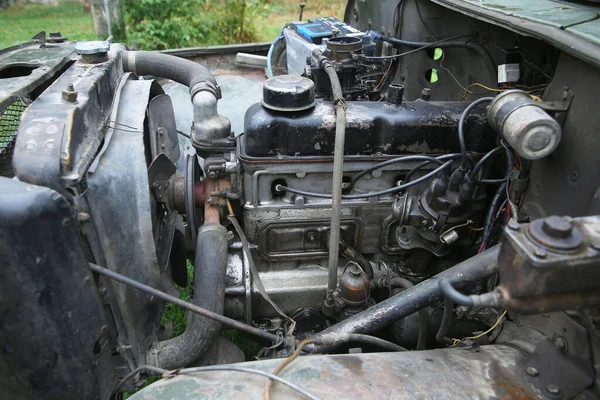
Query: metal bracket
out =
(561, 369)
(559, 107)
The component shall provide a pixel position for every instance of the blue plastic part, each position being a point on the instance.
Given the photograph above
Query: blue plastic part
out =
(314, 32)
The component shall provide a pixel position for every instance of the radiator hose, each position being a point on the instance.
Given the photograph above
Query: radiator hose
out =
(209, 126)
(209, 293)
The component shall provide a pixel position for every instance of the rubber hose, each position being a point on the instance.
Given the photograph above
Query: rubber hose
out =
(338, 169)
(178, 69)
(423, 314)
(446, 319)
(209, 293)
(454, 295)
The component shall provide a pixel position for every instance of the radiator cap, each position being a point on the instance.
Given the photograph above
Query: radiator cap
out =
(288, 93)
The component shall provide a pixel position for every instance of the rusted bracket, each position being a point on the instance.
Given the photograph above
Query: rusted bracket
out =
(559, 107)
(562, 367)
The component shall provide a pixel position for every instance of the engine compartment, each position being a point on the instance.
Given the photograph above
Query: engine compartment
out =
(353, 203)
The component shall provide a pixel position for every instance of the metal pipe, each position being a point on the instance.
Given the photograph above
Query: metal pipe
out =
(184, 304)
(417, 297)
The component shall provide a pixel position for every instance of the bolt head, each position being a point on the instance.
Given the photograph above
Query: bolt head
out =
(553, 389)
(513, 225)
(69, 94)
(540, 253)
(532, 371)
(561, 343)
(557, 227)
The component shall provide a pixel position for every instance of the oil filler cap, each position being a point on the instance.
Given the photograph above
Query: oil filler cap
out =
(288, 93)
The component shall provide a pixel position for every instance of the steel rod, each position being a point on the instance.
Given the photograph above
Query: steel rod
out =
(184, 304)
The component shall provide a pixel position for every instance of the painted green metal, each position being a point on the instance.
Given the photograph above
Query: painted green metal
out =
(570, 26)
(548, 12)
(589, 31)
(487, 372)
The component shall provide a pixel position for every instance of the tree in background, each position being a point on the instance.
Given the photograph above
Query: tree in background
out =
(108, 19)
(164, 24)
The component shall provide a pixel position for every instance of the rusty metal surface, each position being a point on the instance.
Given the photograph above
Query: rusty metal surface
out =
(543, 275)
(492, 372)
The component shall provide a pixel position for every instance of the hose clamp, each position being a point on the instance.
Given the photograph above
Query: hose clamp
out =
(206, 87)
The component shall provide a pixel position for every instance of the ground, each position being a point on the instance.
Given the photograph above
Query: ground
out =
(19, 23)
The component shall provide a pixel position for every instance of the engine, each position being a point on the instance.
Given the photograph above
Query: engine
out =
(342, 195)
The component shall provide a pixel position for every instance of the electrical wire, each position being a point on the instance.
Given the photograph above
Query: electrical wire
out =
(461, 128)
(255, 275)
(482, 161)
(281, 188)
(432, 44)
(184, 134)
(187, 371)
(449, 156)
(393, 161)
(469, 222)
(150, 368)
(384, 75)
(457, 341)
(283, 364)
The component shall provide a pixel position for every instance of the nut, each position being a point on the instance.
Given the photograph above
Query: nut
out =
(557, 227)
(69, 94)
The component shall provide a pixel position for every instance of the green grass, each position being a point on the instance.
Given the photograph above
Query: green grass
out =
(21, 22)
(177, 316)
(285, 11)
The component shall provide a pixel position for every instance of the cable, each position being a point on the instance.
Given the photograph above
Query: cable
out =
(184, 304)
(281, 188)
(423, 164)
(474, 47)
(155, 370)
(469, 222)
(461, 127)
(283, 364)
(483, 159)
(384, 75)
(423, 47)
(184, 134)
(457, 341)
(257, 281)
(393, 161)
(269, 375)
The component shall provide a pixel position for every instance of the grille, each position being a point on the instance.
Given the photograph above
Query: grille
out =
(9, 123)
